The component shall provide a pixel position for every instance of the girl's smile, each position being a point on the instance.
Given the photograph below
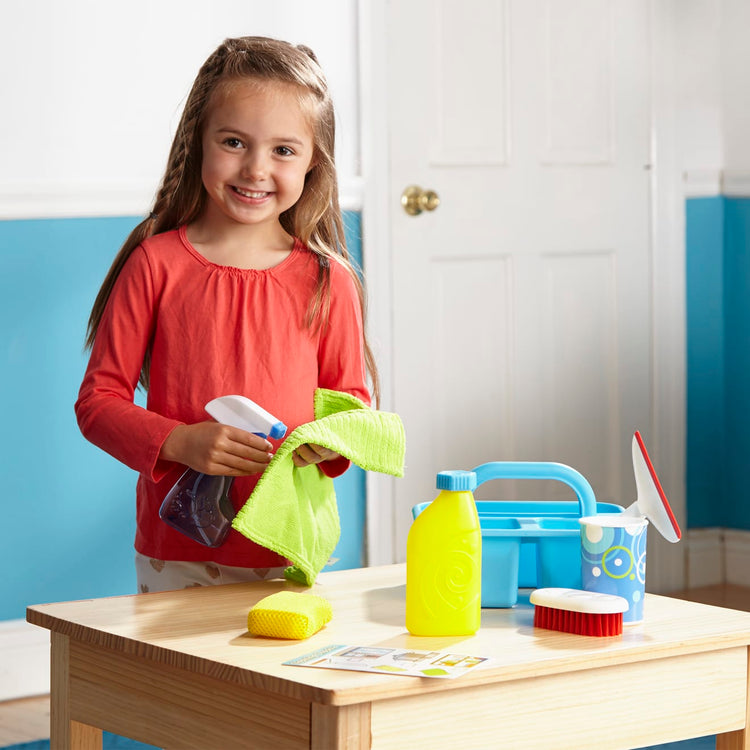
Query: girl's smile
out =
(255, 195)
(257, 150)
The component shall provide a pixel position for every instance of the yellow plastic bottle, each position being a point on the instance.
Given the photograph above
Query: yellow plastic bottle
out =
(444, 561)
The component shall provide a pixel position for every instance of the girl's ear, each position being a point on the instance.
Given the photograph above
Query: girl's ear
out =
(314, 159)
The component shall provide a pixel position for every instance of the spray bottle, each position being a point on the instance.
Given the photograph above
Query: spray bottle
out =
(198, 505)
(444, 561)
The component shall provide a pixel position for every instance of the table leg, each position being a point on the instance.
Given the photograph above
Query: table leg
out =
(739, 740)
(340, 727)
(66, 734)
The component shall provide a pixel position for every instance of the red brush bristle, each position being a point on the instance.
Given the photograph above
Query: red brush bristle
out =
(580, 623)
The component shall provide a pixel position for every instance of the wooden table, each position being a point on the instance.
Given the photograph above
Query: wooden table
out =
(179, 670)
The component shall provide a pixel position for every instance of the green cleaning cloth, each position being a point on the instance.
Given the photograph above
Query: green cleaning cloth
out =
(293, 511)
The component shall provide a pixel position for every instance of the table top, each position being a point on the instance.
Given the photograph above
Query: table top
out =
(205, 630)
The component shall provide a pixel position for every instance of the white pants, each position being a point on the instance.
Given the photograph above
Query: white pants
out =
(167, 575)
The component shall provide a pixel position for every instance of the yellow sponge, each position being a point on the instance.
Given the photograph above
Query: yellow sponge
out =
(289, 614)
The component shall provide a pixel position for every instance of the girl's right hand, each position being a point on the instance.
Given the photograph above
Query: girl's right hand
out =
(217, 449)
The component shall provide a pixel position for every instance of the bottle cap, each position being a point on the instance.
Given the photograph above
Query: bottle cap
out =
(457, 481)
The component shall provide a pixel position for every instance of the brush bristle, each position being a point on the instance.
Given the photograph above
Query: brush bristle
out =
(580, 623)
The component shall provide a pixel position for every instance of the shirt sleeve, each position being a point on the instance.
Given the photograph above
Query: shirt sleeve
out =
(105, 409)
(341, 359)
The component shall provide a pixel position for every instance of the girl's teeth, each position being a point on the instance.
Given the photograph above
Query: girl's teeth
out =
(251, 193)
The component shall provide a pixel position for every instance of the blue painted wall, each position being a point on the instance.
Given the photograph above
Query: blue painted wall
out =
(718, 361)
(68, 520)
(704, 290)
(736, 500)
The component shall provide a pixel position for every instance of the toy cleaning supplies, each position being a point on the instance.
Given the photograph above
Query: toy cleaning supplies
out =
(576, 611)
(444, 561)
(289, 614)
(293, 511)
(613, 547)
(198, 505)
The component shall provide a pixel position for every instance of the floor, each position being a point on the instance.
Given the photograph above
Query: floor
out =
(28, 719)
(24, 720)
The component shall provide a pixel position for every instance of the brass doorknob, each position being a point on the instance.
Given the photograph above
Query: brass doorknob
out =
(415, 200)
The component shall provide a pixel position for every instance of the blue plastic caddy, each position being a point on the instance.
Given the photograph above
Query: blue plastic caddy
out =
(528, 544)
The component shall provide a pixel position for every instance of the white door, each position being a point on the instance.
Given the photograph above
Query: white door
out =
(521, 321)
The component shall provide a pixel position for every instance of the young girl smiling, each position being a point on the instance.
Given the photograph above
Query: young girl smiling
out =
(238, 282)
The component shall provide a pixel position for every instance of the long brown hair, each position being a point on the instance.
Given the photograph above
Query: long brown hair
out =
(316, 217)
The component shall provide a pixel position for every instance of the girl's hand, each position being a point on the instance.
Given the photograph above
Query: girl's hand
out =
(217, 449)
(310, 453)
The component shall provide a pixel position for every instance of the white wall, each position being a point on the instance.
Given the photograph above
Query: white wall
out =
(713, 95)
(698, 93)
(735, 94)
(91, 92)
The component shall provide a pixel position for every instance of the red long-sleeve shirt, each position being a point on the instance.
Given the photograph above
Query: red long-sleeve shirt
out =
(214, 331)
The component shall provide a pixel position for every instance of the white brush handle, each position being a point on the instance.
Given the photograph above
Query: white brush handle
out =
(576, 600)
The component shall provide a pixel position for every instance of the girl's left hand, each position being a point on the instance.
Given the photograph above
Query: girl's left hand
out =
(310, 453)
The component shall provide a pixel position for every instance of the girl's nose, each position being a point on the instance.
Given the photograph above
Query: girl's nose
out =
(255, 166)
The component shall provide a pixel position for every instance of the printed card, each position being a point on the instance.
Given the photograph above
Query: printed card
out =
(396, 661)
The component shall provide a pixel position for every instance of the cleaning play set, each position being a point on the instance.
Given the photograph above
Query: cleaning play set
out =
(585, 560)
(566, 551)
(292, 510)
(530, 544)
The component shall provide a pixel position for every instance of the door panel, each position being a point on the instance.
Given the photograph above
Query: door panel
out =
(522, 320)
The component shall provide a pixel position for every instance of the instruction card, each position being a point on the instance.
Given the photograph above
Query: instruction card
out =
(398, 661)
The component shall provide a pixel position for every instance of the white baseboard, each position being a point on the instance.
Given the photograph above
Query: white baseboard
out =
(737, 557)
(716, 556)
(705, 557)
(24, 660)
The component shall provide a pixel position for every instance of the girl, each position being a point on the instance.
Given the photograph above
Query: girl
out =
(237, 282)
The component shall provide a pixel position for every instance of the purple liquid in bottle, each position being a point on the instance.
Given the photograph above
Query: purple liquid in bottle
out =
(199, 506)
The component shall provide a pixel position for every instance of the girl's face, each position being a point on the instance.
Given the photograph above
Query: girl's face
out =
(257, 149)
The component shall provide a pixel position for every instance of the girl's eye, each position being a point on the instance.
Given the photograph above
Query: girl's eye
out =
(284, 151)
(233, 142)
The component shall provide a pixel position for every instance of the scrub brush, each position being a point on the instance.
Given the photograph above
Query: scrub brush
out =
(579, 612)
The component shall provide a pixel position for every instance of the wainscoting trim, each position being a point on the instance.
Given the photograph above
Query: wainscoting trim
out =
(716, 556)
(24, 660)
